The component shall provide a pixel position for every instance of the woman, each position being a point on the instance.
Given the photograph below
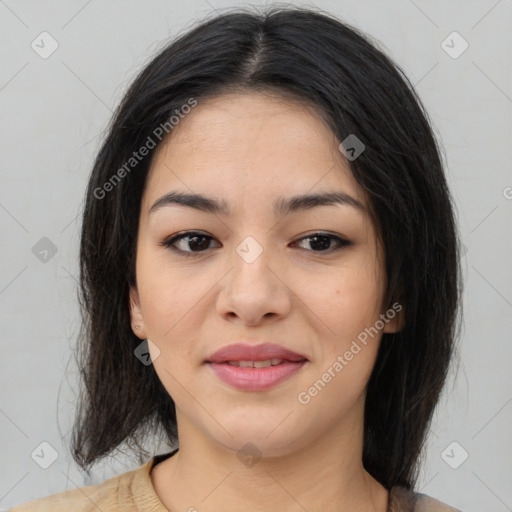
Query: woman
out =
(269, 276)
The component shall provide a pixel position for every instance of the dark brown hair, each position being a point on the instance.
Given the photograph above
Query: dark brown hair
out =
(325, 62)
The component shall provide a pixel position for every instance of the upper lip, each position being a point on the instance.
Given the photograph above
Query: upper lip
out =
(249, 352)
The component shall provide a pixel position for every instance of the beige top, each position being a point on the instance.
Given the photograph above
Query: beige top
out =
(133, 491)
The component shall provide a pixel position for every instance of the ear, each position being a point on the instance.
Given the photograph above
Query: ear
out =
(136, 316)
(395, 316)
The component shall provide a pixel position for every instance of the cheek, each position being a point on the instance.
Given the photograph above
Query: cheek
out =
(172, 305)
(345, 357)
(166, 294)
(162, 309)
(168, 307)
(346, 306)
(346, 299)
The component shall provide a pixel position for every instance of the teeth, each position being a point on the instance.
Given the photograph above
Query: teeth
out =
(256, 364)
(262, 364)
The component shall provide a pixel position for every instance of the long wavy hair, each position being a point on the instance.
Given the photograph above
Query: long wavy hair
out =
(312, 56)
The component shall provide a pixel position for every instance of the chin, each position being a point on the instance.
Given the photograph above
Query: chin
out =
(258, 440)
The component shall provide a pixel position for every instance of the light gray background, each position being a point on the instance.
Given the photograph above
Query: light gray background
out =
(53, 112)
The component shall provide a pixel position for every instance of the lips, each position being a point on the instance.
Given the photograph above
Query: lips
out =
(255, 367)
(248, 352)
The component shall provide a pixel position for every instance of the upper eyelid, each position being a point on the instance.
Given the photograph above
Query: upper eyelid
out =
(184, 234)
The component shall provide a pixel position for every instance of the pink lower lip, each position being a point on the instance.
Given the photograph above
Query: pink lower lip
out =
(256, 379)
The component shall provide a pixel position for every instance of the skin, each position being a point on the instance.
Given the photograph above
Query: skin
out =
(249, 149)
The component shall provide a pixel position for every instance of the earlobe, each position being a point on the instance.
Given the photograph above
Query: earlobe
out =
(137, 319)
(395, 316)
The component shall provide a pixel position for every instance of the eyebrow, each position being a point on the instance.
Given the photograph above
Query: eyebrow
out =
(282, 205)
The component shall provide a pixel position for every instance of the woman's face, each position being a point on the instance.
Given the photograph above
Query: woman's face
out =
(256, 274)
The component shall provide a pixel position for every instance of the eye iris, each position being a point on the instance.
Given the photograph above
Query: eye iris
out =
(326, 242)
(193, 239)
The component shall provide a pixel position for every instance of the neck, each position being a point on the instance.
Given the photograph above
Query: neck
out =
(326, 474)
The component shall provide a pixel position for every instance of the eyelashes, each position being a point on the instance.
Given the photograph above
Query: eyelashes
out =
(198, 238)
(193, 235)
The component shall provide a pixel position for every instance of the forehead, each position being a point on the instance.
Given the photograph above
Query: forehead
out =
(241, 121)
(257, 142)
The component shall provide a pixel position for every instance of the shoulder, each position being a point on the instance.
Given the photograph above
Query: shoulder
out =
(113, 494)
(425, 503)
(407, 500)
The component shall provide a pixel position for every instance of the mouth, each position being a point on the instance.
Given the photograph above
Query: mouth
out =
(257, 364)
(255, 367)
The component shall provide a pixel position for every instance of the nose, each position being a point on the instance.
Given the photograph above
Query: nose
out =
(253, 290)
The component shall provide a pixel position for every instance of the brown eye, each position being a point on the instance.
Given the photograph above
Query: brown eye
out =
(321, 242)
(194, 240)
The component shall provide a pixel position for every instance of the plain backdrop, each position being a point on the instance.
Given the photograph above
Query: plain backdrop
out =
(54, 109)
